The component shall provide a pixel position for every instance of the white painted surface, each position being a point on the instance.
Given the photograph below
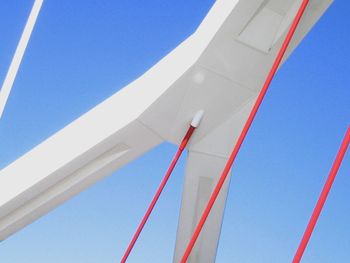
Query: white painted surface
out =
(211, 71)
(205, 163)
(17, 58)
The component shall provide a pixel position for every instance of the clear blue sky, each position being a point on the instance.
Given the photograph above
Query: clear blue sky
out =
(81, 52)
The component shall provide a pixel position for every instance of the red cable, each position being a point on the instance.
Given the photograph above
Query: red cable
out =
(323, 197)
(244, 131)
(182, 146)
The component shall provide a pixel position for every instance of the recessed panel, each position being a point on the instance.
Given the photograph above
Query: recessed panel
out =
(269, 23)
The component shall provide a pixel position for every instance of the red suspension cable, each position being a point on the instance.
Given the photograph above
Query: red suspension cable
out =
(323, 197)
(244, 131)
(182, 146)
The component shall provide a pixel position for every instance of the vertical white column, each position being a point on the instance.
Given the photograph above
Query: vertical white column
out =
(201, 176)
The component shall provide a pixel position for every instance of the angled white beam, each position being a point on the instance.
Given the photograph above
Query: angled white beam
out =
(219, 69)
(205, 161)
(17, 58)
(207, 157)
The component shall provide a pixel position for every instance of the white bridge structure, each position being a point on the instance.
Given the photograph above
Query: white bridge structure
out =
(219, 70)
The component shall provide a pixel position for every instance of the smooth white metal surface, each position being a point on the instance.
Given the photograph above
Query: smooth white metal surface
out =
(219, 69)
(205, 162)
(17, 58)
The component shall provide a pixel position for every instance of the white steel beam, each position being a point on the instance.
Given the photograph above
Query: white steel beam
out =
(219, 69)
(17, 58)
(205, 162)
